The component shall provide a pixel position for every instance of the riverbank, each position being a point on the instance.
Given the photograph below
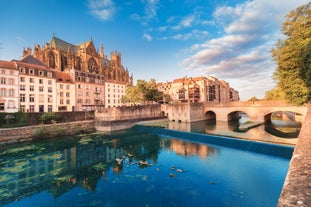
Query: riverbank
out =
(43, 131)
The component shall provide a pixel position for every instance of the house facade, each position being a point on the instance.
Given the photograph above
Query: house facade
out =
(9, 87)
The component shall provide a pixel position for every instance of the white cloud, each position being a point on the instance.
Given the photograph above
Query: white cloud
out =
(102, 9)
(185, 22)
(243, 52)
(147, 37)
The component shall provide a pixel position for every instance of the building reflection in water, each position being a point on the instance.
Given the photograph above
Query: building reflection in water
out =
(61, 166)
(188, 149)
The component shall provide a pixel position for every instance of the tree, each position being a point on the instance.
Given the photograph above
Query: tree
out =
(292, 56)
(144, 91)
(275, 94)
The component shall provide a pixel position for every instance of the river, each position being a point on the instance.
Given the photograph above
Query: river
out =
(277, 131)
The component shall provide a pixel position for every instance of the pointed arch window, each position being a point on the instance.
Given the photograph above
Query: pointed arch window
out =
(92, 65)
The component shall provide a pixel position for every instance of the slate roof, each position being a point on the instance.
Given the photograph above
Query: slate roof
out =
(58, 43)
(32, 60)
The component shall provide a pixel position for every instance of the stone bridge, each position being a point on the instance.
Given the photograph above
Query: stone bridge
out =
(258, 111)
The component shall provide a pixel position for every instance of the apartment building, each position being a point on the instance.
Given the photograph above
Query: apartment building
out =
(65, 90)
(199, 89)
(37, 86)
(8, 87)
(114, 90)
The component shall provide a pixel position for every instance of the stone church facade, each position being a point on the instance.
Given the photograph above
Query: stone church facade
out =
(62, 56)
(90, 70)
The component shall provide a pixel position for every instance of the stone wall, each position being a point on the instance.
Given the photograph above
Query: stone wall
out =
(64, 117)
(9, 135)
(126, 113)
(296, 190)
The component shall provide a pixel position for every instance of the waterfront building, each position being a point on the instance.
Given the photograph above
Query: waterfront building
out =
(199, 89)
(114, 90)
(37, 86)
(8, 87)
(65, 90)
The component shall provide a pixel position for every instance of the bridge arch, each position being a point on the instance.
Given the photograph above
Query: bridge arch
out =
(210, 115)
(235, 115)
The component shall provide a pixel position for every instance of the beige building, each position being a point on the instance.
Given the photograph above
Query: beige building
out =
(199, 89)
(8, 87)
(114, 90)
(37, 86)
(65, 90)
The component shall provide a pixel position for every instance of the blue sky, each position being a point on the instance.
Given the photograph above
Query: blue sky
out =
(165, 40)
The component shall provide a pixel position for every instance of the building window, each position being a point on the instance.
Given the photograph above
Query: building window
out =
(61, 94)
(50, 108)
(50, 74)
(87, 101)
(22, 98)
(79, 101)
(49, 82)
(31, 80)
(41, 73)
(50, 99)
(22, 79)
(31, 88)
(22, 70)
(61, 101)
(67, 87)
(67, 94)
(31, 71)
(31, 98)
(32, 108)
(22, 87)
(41, 81)
(50, 89)
(3, 80)
(11, 92)
(23, 108)
(3, 92)
(61, 86)
(41, 88)
(67, 101)
(87, 93)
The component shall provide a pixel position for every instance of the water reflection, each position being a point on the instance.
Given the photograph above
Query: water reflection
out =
(60, 165)
(276, 131)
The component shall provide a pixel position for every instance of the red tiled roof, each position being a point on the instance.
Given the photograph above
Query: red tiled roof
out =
(63, 77)
(7, 64)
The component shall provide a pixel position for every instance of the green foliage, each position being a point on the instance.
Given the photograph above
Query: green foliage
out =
(142, 92)
(17, 119)
(254, 98)
(275, 94)
(49, 118)
(40, 133)
(292, 56)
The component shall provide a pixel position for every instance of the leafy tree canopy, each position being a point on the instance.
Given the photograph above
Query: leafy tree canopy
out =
(292, 56)
(144, 91)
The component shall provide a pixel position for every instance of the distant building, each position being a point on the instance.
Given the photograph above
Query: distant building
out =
(8, 87)
(199, 89)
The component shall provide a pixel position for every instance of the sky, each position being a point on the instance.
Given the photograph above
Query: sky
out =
(162, 40)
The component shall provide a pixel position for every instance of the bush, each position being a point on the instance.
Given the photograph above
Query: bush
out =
(49, 118)
(40, 133)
